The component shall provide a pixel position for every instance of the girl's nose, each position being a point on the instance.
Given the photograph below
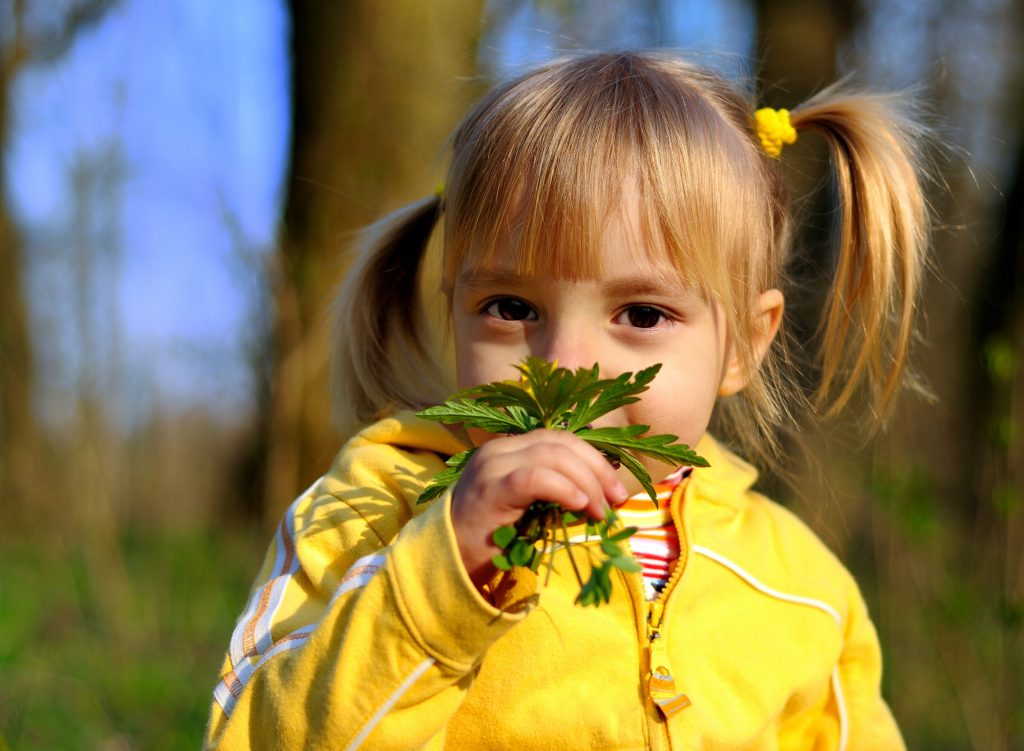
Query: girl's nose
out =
(570, 348)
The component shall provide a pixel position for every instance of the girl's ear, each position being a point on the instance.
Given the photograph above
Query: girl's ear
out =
(767, 317)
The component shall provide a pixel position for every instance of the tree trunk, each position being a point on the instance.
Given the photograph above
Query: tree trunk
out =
(376, 89)
(17, 425)
(20, 437)
(797, 49)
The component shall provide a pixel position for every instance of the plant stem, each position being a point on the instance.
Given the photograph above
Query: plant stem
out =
(568, 549)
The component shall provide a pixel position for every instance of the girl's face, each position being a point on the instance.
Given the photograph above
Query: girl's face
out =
(640, 313)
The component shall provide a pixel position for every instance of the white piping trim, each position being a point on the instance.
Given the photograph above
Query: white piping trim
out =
(764, 588)
(223, 695)
(837, 688)
(844, 721)
(358, 575)
(368, 564)
(274, 588)
(227, 696)
(275, 583)
(391, 700)
(264, 639)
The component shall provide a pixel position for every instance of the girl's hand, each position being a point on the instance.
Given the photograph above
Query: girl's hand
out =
(507, 474)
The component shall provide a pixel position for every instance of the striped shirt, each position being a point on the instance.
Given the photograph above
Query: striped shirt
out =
(656, 542)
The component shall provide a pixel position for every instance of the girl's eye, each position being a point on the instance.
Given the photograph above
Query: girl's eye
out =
(642, 316)
(511, 309)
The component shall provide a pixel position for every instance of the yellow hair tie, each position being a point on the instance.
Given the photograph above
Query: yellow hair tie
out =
(439, 191)
(774, 130)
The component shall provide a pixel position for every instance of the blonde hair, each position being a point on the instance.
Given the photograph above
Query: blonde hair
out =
(537, 165)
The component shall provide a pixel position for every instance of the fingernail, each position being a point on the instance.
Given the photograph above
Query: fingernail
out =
(621, 494)
(581, 499)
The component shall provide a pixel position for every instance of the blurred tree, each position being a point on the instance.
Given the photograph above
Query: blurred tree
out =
(28, 35)
(798, 46)
(996, 491)
(376, 89)
(929, 516)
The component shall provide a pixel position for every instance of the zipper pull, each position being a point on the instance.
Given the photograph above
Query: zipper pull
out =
(654, 615)
(660, 684)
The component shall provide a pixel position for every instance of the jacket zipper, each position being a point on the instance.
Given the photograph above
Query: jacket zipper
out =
(661, 685)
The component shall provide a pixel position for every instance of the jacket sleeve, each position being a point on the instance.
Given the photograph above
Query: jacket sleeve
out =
(859, 678)
(351, 639)
(850, 713)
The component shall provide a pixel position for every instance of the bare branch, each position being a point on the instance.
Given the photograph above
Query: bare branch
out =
(18, 52)
(51, 43)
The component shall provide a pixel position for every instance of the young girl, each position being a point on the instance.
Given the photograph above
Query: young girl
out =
(622, 209)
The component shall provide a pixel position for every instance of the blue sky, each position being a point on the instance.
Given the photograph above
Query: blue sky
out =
(177, 113)
(190, 99)
(534, 33)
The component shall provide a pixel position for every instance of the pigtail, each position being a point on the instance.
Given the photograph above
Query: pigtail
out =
(380, 358)
(867, 327)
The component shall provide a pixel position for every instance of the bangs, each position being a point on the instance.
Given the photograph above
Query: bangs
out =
(541, 165)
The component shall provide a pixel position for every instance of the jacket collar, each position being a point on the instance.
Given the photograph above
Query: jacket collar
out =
(727, 479)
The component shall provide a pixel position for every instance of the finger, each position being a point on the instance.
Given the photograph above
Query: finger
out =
(610, 486)
(526, 484)
(573, 464)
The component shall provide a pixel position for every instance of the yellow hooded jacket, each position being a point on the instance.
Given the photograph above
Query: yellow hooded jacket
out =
(364, 631)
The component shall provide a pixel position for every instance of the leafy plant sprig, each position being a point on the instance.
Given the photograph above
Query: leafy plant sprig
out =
(547, 396)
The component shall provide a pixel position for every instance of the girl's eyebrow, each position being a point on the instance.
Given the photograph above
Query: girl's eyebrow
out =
(474, 279)
(640, 286)
(660, 284)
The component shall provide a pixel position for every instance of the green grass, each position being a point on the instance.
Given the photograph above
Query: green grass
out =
(117, 652)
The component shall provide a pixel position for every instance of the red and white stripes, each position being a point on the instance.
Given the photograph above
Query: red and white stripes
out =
(656, 542)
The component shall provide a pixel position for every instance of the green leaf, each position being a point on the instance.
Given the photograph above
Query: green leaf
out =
(625, 434)
(586, 595)
(602, 404)
(474, 413)
(524, 418)
(624, 534)
(662, 447)
(442, 480)
(570, 517)
(431, 492)
(610, 548)
(559, 398)
(502, 562)
(521, 553)
(604, 582)
(460, 460)
(446, 477)
(505, 394)
(626, 563)
(597, 588)
(502, 536)
(630, 463)
(536, 370)
(616, 392)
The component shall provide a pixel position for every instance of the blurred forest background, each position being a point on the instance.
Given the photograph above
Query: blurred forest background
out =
(180, 179)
